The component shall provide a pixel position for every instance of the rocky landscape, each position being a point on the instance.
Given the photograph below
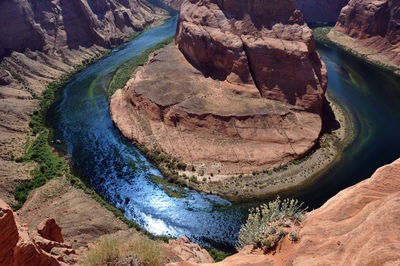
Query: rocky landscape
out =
(370, 29)
(42, 41)
(229, 97)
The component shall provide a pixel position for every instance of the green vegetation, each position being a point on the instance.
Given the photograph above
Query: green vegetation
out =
(171, 189)
(48, 164)
(217, 255)
(125, 71)
(138, 251)
(321, 35)
(264, 226)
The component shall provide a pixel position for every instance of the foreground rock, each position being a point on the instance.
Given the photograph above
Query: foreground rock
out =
(19, 246)
(358, 226)
(371, 29)
(233, 98)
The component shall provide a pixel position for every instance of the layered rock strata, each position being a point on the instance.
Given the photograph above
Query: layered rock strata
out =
(42, 41)
(243, 91)
(59, 25)
(371, 29)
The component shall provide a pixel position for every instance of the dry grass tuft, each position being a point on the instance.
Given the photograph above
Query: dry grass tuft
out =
(137, 251)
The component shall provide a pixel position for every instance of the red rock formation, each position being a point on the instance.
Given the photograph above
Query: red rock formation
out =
(265, 43)
(50, 230)
(250, 98)
(18, 246)
(183, 250)
(374, 27)
(57, 25)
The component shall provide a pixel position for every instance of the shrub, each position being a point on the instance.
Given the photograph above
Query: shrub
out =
(293, 236)
(263, 228)
(111, 251)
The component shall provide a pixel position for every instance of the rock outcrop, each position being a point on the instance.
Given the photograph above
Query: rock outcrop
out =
(371, 29)
(59, 25)
(244, 91)
(358, 226)
(182, 249)
(315, 11)
(18, 246)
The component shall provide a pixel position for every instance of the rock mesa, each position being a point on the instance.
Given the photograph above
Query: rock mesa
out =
(242, 89)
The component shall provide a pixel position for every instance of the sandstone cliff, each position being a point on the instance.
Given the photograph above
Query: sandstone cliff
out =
(244, 91)
(371, 29)
(321, 10)
(358, 226)
(59, 25)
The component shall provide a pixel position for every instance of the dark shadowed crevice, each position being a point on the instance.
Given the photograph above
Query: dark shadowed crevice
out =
(251, 69)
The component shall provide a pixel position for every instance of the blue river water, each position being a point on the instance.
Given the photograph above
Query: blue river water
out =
(111, 165)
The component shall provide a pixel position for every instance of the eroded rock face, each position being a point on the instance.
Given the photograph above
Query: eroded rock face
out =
(62, 24)
(265, 43)
(244, 91)
(21, 247)
(321, 10)
(374, 28)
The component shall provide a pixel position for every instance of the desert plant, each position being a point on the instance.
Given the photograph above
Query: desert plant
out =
(293, 236)
(140, 250)
(263, 227)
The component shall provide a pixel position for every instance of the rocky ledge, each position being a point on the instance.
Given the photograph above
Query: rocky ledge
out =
(242, 91)
(371, 29)
(358, 226)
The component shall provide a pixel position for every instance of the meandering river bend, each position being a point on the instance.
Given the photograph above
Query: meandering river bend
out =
(116, 170)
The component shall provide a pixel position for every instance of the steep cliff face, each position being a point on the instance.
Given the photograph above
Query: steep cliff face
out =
(321, 10)
(372, 29)
(61, 24)
(243, 91)
(265, 43)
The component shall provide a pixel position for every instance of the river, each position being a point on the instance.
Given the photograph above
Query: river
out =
(111, 165)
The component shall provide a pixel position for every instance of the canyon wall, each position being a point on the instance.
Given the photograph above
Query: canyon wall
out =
(371, 29)
(60, 24)
(242, 90)
(40, 41)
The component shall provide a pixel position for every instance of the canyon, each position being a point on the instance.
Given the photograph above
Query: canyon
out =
(370, 29)
(41, 42)
(245, 99)
(254, 123)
